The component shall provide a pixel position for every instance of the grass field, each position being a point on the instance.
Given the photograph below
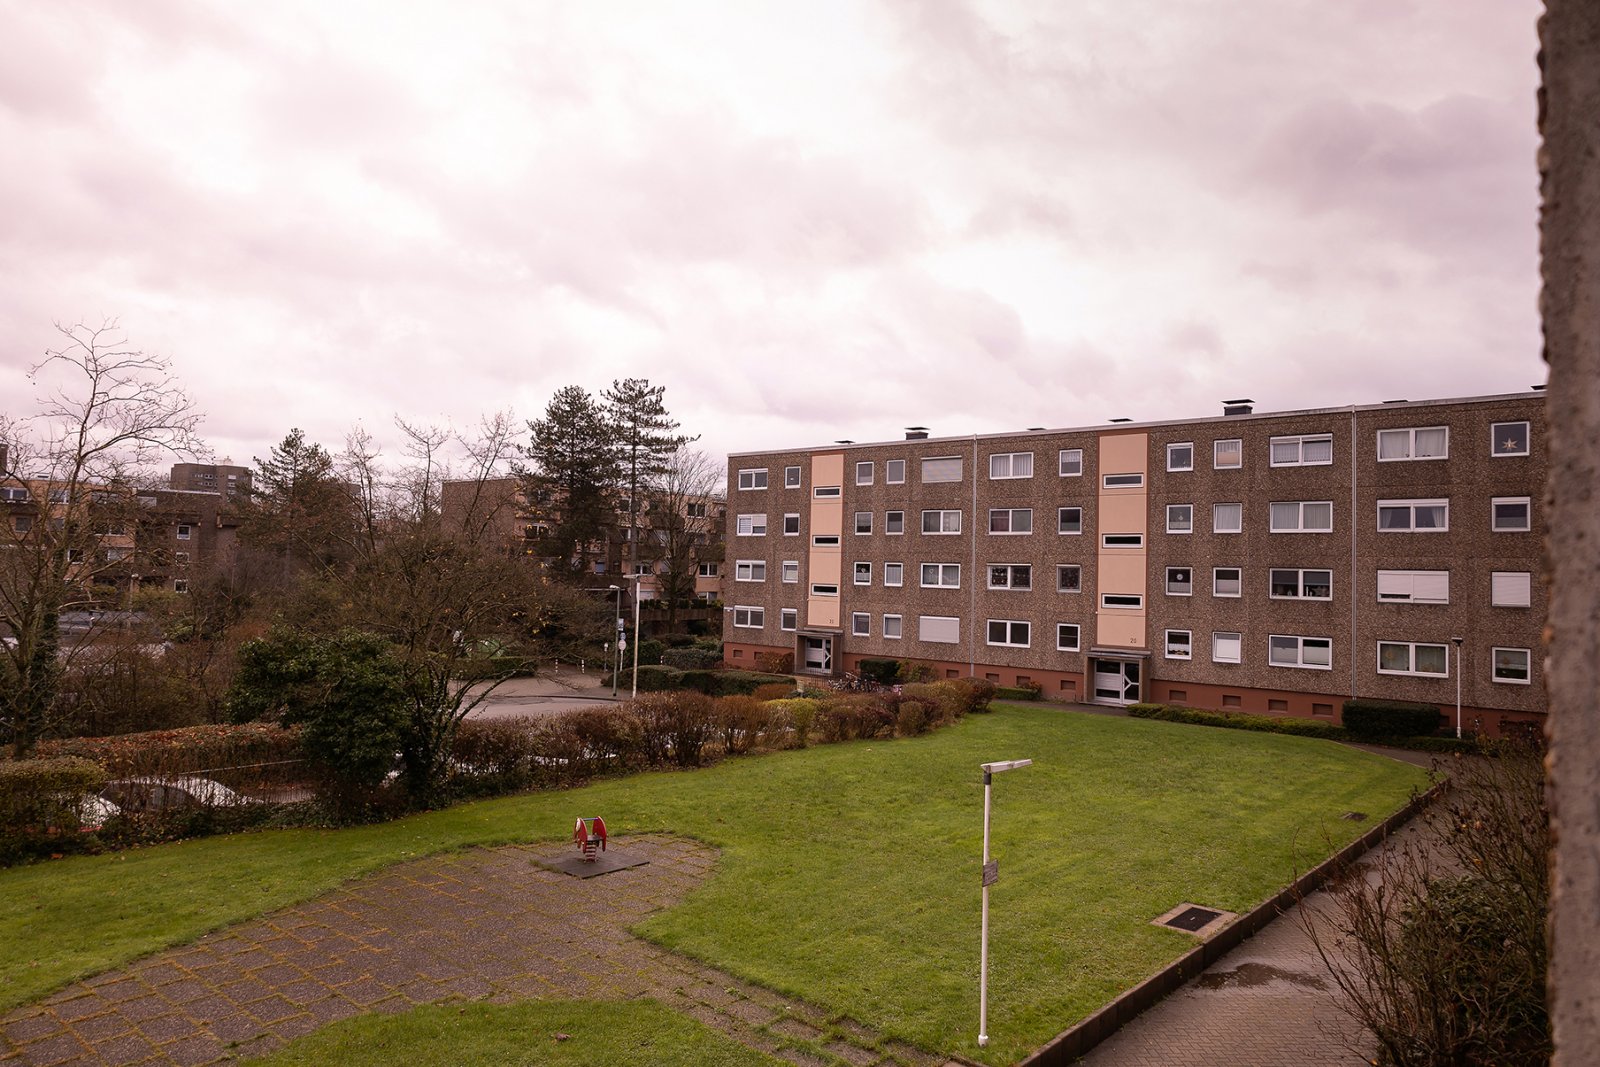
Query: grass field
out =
(848, 874)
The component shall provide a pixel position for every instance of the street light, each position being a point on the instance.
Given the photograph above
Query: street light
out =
(616, 653)
(636, 638)
(1457, 642)
(991, 874)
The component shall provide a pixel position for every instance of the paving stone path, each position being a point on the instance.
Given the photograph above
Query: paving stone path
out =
(477, 925)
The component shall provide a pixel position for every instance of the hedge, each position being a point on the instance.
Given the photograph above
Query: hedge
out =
(190, 750)
(712, 683)
(1390, 718)
(691, 658)
(882, 671)
(1231, 721)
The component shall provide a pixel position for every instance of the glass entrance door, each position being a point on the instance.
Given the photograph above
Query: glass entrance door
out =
(1116, 681)
(818, 654)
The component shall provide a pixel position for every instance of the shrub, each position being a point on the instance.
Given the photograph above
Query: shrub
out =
(1390, 718)
(688, 659)
(800, 713)
(911, 673)
(652, 679)
(913, 717)
(745, 722)
(41, 801)
(1017, 692)
(948, 700)
(774, 691)
(676, 724)
(980, 692)
(676, 641)
(1239, 721)
(493, 755)
(485, 667)
(609, 738)
(775, 662)
(650, 652)
(850, 716)
(741, 683)
(255, 753)
(882, 671)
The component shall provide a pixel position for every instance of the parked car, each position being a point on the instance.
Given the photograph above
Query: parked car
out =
(179, 793)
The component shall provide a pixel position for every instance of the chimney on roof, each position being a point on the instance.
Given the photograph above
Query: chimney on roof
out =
(1238, 407)
(916, 433)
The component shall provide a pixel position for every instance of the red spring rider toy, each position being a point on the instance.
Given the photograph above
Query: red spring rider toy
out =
(590, 834)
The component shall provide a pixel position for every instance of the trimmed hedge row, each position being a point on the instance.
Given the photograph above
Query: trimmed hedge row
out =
(661, 678)
(1299, 727)
(190, 750)
(1390, 718)
(42, 804)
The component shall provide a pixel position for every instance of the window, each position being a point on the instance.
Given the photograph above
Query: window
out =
(791, 524)
(1306, 450)
(941, 469)
(1069, 578)
(788, 619)
(825, 541)
(894, 574)
(894, 473)
(1510, 589)
(891, 627)
(58, 496)
(750, 618)
(860, 624)
(1226, 455)
(1512, 514)
(1225, 647)
(864, 472)
(1066, 637)
(1312, 653)
(941, 576)
(183, 532)
(1008, 632)
(1071, 460)
(1180, 644)
(1512, 665)
(824, 589)
(180, 585)
(1010, 576)
(939, 629)
(1180, 518)
(1227, 518)
(1415, 587)
(1010, 465)
(1289, 584)
(1402, 657)
(1302, 516)
(863, 522)
(791, 570)
(180, 557)
(1508, 439)
(941, 522)
(1122, 540)
(1420, 516)
(1227, 581)
(1010, 520)
(1432, 442)
(1122, 481)
(750, 570)
(756, 525)
(863, 573)
(791, 477)
(1180, 456)
(753, 479)
(826, 492)
(1121, 600)
(1069, 520)
(694, 511)
(22, 523)
(13, 495)
(894, 522)
(1180, 581)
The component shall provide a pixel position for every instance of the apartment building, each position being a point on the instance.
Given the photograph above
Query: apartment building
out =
(1277, 563)
(222, 478)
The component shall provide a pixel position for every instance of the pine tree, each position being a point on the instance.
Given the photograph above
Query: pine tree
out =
(644, 442)
(298, 508)
(574, 457)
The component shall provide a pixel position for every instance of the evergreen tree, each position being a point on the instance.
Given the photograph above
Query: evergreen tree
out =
(299, 510)
(644, 442)
(574, 470)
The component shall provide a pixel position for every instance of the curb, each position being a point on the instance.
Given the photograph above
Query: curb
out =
(1075, 1041)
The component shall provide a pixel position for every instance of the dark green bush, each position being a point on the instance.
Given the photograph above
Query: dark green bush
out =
(1390, 718)
(676, 640)
(913, 717)
(1237, 721)
(1012, 692)
(882, 671)
(652, 679)
(485, 667)
(650, 652)
(691, 658)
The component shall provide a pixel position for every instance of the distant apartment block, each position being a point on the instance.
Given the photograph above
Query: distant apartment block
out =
(211, 478)
(1276, 563)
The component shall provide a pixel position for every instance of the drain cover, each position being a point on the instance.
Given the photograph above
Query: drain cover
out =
(1355, 816)
(1192, 919)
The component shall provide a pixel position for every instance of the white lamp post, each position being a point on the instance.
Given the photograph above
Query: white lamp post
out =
(990, 876)
(616, 657)
(1457, 642)
(636, 637)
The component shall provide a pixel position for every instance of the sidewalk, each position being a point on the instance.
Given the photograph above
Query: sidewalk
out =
(567, 689)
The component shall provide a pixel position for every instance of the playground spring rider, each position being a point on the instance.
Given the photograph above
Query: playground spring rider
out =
(590, 834)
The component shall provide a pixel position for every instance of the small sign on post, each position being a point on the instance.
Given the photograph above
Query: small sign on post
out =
(991, 873)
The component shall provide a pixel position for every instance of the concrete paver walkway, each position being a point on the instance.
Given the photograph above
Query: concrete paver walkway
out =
(482, 924)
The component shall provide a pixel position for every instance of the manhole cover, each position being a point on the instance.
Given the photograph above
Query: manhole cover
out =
(1192, 919)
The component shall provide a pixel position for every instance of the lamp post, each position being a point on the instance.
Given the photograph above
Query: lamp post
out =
(990, 876)
(1457, 642)
(616, 653)
(636, 637)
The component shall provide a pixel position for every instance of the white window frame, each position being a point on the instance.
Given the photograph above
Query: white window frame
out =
(864, 471)
(1011, 521)
(896, 631)
(1411, 506)
(789, 619)
(1181, 571)
(827, 492)
(791, 524)
(945, 470)
(1527, 666)
(750, 570)
(1122, 601)
(1410, 434)
(955, 629)
(1410, 579)
(867, 531)
(708, 570)
(1498, 526)
(791, 477)
(1011, 570)
(1218, 638)
(1300, 652)
(1510, 589)
(857, 572)
(1411, 658)
(1216, 516)
(1217, 450)
(1299, 441)
(1122, 540)
(1184, 525)
(1132, 480)
(1069, 463)
(824, 540)
(1061, 521)
(185, 531)
(1011, 633)
(755, 618)
(750, 525)
(1300, 583)
(1300, 516)
(180, 557)
(180, 585)
(1061, 570)
(751, 478)
(790, 571)
(1179, 464)
(894, 575)
(1006, 463)
(944, 570)
(942, 522)
(1494, 438)
(860, 624)
(1068, 645)
(1187, 644)
(824, 589)
(1216, 580)
(891, 519)
(892, 468)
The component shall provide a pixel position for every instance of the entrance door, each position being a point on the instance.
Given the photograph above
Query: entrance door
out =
(1116, 681)
(818, 654)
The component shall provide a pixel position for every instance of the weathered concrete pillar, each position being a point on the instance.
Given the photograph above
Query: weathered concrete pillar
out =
(1569, 164)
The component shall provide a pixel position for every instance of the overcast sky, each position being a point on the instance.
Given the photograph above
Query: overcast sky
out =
(809, 221)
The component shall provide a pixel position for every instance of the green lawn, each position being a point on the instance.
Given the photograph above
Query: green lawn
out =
(848, 874)
(635, 1033)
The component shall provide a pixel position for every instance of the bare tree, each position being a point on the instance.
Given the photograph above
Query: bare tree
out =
(104, 410)
(684, 516)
